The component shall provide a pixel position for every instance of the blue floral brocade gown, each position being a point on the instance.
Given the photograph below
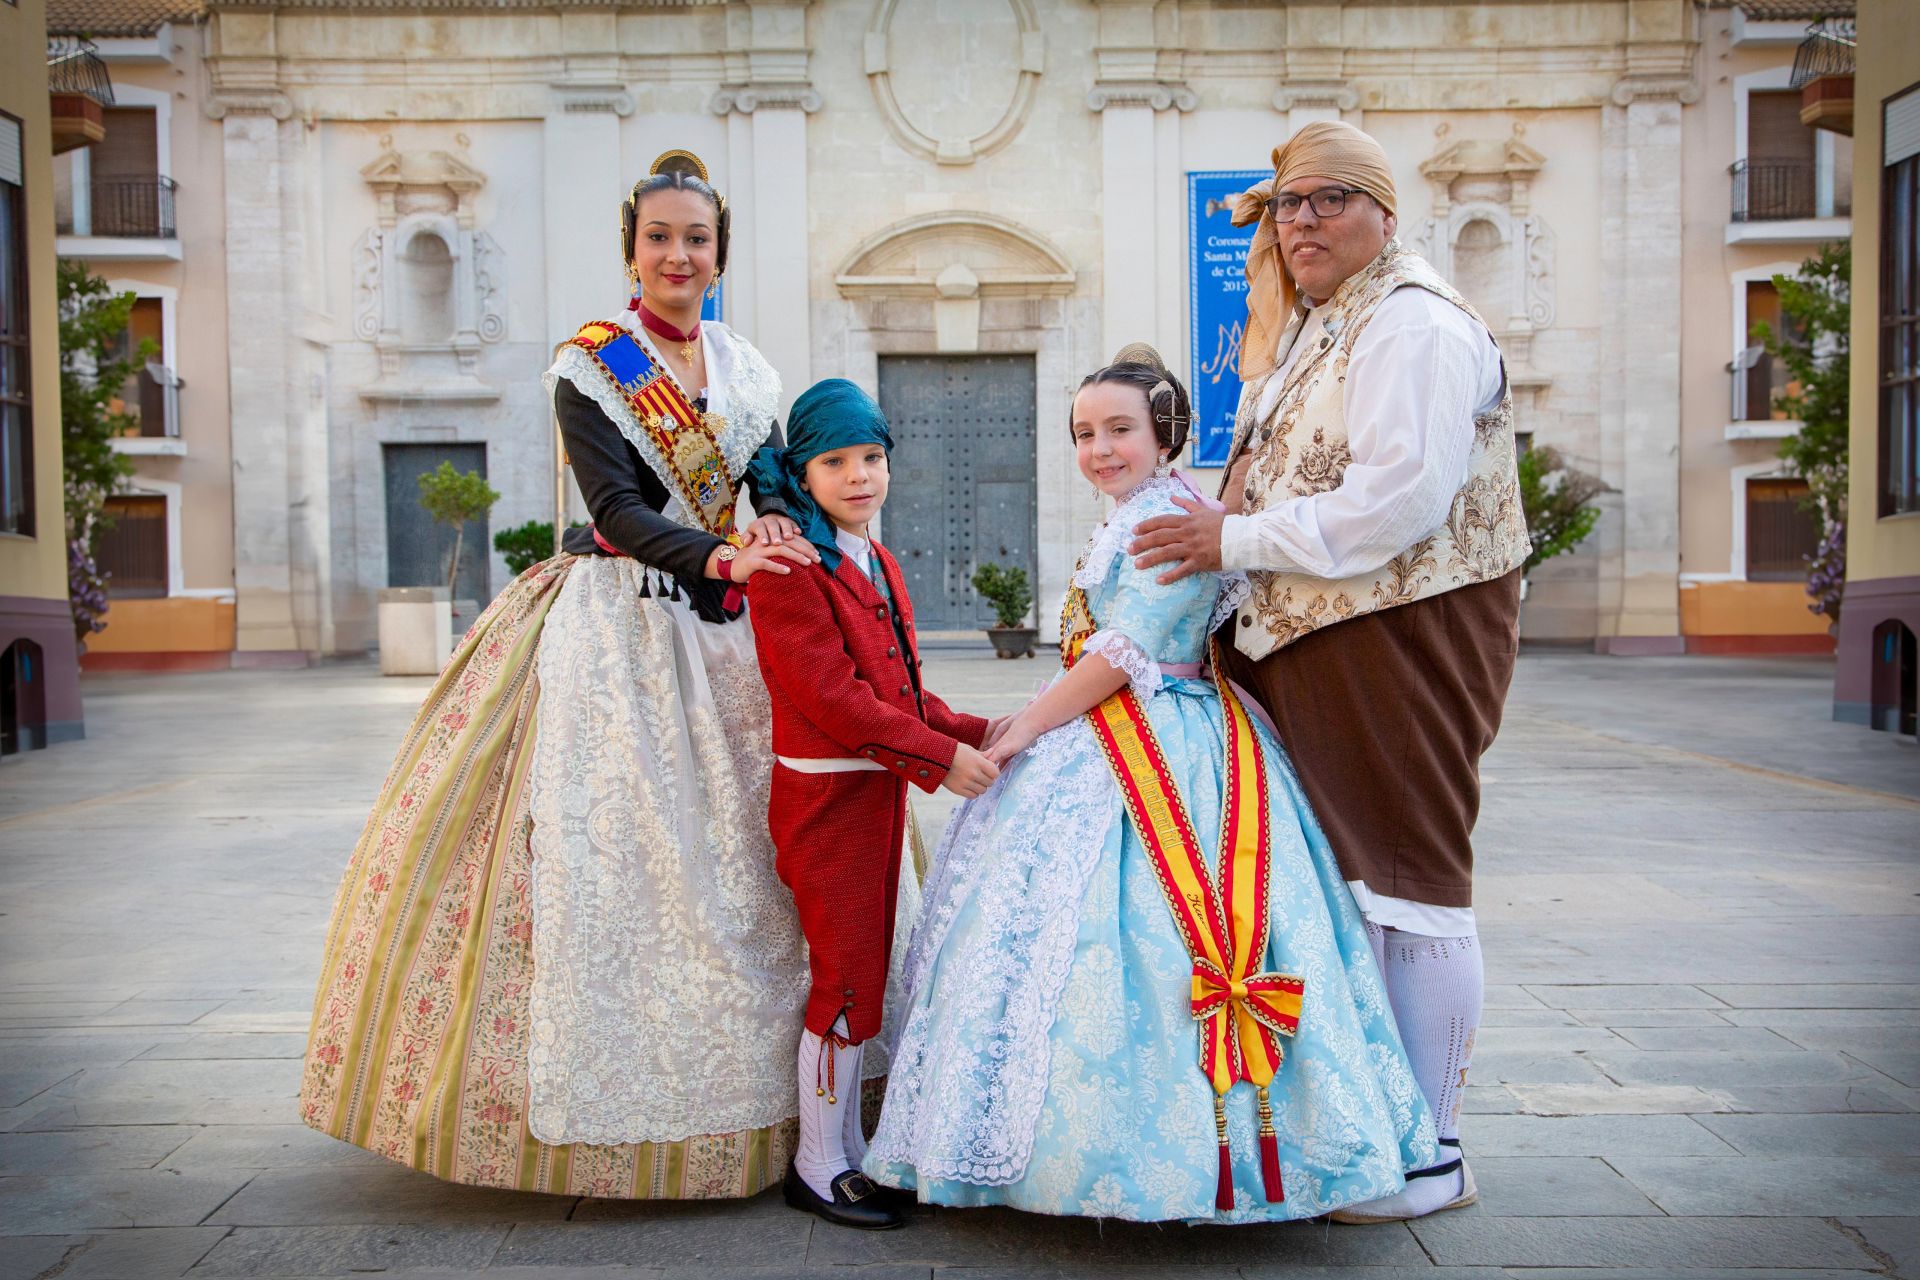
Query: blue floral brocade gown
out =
(1048, 1059)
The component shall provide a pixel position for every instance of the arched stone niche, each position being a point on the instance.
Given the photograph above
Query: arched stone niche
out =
(1024, 55)
(1484, 237)
(429, 288)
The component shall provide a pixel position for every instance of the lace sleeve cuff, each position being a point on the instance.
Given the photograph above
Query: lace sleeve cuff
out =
(1120, 649)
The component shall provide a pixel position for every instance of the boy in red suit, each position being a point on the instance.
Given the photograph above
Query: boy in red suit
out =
(852, 727)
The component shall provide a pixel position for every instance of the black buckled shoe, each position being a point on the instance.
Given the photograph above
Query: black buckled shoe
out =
(857, 1201)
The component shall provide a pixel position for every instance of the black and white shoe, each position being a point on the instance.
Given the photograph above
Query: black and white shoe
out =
(857, 1201)
(1402, 1207)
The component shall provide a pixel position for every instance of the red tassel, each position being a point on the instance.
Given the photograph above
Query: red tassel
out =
(1223, 1194)
(1270, 1168)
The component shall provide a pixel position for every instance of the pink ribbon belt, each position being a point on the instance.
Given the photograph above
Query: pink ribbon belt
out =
(1183, 670)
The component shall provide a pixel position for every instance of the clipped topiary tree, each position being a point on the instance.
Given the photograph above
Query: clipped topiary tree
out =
(455, 497)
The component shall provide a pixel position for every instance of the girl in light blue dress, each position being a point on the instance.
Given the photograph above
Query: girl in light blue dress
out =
(1058, 1011)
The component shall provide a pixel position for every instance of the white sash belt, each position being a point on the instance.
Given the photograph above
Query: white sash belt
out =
(853, 765)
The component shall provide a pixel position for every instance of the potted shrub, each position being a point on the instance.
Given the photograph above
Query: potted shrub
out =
(1008, 591)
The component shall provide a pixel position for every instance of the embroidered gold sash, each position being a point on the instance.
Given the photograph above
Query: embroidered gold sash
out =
(687, 440)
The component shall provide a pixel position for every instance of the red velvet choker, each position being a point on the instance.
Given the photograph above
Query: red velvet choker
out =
(655, 325)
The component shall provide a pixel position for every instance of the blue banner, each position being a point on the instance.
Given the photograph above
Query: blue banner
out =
(1217, 307)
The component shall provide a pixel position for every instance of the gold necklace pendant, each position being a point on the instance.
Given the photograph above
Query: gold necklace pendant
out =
(686, 351)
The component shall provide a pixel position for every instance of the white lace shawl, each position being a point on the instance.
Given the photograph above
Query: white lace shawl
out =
(741, 387)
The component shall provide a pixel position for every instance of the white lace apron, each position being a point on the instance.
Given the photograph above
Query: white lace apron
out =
(670, 976)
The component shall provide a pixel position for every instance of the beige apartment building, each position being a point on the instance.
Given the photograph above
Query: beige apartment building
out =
(143, 209)
(384, 215)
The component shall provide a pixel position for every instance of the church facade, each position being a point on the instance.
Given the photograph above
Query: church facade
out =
(963, 207)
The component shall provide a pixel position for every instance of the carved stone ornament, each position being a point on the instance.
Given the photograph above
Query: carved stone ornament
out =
(949, 148)
(428, 288)
(955, 254)
(1490, 181)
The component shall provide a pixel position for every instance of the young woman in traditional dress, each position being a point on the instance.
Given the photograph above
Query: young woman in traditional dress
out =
(1139, 988)
(560, 959)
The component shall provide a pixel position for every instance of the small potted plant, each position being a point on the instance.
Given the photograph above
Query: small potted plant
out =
(1008, 591)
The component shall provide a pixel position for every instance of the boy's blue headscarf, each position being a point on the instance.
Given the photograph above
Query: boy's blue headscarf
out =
(829, 415)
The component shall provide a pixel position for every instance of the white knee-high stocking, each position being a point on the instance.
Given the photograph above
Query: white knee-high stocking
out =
(1436, 987)
(829, 1070)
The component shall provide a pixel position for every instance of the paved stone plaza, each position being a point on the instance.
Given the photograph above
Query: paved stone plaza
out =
(1702, 1051)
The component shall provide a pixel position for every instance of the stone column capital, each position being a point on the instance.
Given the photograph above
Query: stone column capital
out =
(749, 98)
(1655, 88)
(1337, 94)
(594, 97)
(1161, 95)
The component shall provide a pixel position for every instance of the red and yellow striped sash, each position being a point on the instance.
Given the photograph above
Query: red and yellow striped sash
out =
(1225, 925)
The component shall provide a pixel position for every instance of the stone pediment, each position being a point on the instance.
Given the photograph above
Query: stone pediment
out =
(423, 181)
(955, 253)
(1474, 157)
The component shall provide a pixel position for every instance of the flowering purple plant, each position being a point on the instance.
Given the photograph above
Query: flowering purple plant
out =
(86, 590)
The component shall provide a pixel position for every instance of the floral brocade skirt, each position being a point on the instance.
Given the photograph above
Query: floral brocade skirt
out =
(422, 1024)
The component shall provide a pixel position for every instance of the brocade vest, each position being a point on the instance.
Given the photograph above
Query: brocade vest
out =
(1301, 448)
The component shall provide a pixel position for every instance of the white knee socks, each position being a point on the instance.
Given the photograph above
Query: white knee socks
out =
(829, 1070)
(1436, 986)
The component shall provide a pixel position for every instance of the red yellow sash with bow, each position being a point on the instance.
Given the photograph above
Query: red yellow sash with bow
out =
(1225, 924)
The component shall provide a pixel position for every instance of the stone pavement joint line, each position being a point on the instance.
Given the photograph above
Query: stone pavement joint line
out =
(1701, 1055)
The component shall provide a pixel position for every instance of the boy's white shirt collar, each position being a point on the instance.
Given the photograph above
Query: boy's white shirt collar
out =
(855, 548)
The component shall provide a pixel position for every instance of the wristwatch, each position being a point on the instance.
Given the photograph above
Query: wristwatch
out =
(727, 553)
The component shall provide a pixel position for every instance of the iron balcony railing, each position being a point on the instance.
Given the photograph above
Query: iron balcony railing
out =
(135, 207)
(1827, 51)
(74, 66)
(1771, 190)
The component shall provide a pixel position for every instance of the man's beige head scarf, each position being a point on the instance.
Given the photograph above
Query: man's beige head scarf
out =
(1324, 149)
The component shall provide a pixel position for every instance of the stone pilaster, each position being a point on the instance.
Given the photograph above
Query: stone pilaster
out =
(767, 100)
(1139, 95)
(1640, 244)
(260, 312)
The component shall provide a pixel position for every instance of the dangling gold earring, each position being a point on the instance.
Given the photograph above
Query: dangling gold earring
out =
(713, 289)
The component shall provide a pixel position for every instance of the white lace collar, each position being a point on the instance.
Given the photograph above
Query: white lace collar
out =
(1113, 536)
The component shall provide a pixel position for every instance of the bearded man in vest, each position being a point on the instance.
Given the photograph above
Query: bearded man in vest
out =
(1372, 500)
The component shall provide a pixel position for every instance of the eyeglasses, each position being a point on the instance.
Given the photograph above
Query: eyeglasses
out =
(1328, 202)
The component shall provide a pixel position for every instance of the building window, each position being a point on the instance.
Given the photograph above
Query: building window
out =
(16, 362)
(134, 551)
(150, 390)
(1759, 377)
(1781, 534)
(1790, 170)
(1900, 308)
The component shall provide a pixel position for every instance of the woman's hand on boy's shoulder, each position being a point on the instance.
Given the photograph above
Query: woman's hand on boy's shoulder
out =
(761, 557)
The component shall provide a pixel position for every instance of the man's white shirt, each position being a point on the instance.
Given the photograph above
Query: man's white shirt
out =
(1422, 371)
